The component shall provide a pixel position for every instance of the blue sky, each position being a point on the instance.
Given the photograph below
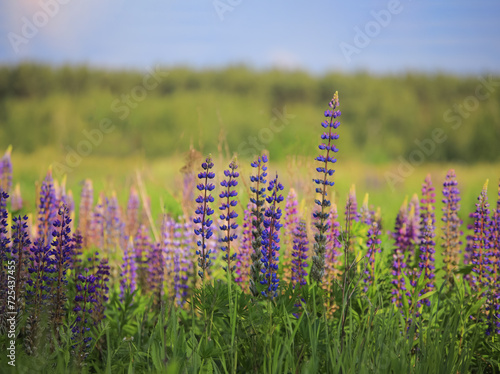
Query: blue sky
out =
(461, 37)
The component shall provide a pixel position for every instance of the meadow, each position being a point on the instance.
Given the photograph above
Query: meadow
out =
(161, 251)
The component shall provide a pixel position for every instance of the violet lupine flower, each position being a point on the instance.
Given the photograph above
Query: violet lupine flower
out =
(155, 272)
(16, 202)
(76, 253)
(481, 246)
(142, 246)
(451, 229)
(259, 191)
(128, 280)
(113, 224)
(426, 264)
(351, 207)
(47, 208)
(203, 212)
(494, 319)
(85, 216)
(270, 239)
(101, 290)
(373, 244)
(290, 222)
(299, 254)
(97, 236)
(367, 216)
(61, 253)
(133, 206)
(413, 233)
(399, 264)
(84, 304)
(4, 250)
(321, 216)
(229, 215)
(427, 202)
(6, 171)
(20, 253)
(244, 256)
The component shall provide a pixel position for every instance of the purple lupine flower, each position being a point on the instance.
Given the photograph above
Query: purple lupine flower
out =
(259, 190)
(101, 290)
(481, 246)
(365, 213)
(203, 212)
(333, 255)
(373, 244)
(6, 171)
(494, 320)
(61, 253)
(399, 264)
(187, 268)
(128, 279)
(75, 263)
(133, 206)
(19, 253)
(427, 202)
(47, 208)
(244, 255)
(426, 264)
(142, 246)
(83, 307)
(413, 233)
(168, 231)
(16, 202)
(351, 207)
(85, 216)
(98, 223)
(112, 224)
(321, 216)
(469, 248)
(270, 239)
(155, 272)
(4, 250)
(299, 254)
(290, 222)
(451, 229)
(228, 214)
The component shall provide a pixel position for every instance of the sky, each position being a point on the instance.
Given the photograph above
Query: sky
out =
(381, 37)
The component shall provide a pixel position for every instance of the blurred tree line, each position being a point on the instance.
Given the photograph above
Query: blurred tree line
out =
(167, 110)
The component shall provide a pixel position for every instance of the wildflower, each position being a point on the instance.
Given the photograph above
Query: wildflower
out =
(333, 255)
(270, 239)
(6, 171)
(133, 205)
(244, 255)
(299, 254)
(290, 222)
(373, 244)
(204, 212)
(47, 208)
(426, 264)
(399, 264)
(85, 212)
(321, 216)
(128, 279)
(16, 202)
(228, 214)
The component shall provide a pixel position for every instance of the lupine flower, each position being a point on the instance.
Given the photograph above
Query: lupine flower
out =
(299, 254)
(426, 264)
(481, 244)
(133, 206)
(399, 264)
(351, 207)
(61, 252)
(128, 279)
(228, 214)
(142, 246)
(6, 171)
(365, 213)
(203, 212)
(101, 290)
(259, 191)
(47, 208)
(85, 217)
(4, 250)
(427, 202)
(84, 303)
(187, 268)
(113, 224)
(451, 229)
(291, 220)
(155, 272)
(19, 253)
(494, 319)
(270, 239)
(16, 202)
(76, 261)
(244, 255)
(373, 244)
(98, 223)
(321, 216)
(413, 233)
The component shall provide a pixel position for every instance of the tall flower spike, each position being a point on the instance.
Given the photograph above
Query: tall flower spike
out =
(494, 320)
(373, 244)
(291, 220)
(19, 251)
(203, 212)
(128, 279)
(299, 254)
(228, 215)
(6, 171)
(270, 239)
(47, 208)
(4, 250)
(321, 215)
(16, 202)
(426, 264)
(132, 212)
(365, 213)
(244, 256)
(85, 212)
(259, 191)
(481, 246)
(101, 290)
(351, 207)
(399, 264)
(451, 230)
(333, 257)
